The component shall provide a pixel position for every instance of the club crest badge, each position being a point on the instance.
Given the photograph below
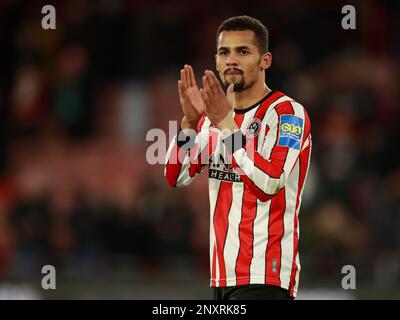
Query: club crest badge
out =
(253, 128)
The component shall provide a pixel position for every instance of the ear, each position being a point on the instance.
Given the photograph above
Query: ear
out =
(266, 61)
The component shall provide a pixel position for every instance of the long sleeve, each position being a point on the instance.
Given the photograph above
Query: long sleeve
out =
(266, 172)
(185, 162)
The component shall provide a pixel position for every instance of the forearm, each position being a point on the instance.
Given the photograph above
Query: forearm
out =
(228, 125)
(189, 124)
(264, 177)
(185, 157)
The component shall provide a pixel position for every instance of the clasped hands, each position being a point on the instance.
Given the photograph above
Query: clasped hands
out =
(210, 99)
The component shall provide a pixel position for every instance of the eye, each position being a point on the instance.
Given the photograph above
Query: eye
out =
(244, 51)
(223, 53)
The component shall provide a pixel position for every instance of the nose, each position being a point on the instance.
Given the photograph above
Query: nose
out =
(231, 61)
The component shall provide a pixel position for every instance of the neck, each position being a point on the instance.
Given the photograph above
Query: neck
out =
(251, 95)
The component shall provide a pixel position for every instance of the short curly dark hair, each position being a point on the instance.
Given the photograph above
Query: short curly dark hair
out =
(240, 23)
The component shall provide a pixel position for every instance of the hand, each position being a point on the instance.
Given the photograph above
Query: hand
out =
(190, 98)
(218, 107)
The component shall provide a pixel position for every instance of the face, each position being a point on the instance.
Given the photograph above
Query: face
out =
(239, 61)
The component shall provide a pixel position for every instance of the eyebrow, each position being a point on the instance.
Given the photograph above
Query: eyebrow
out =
(234, 48)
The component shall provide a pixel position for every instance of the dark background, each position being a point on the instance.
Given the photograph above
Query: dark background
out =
(77, 192)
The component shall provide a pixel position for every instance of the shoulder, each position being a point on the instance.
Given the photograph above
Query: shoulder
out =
(279, 104)
(293, 112)
(288, 105)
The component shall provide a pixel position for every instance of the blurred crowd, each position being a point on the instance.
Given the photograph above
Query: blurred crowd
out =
(76, 103)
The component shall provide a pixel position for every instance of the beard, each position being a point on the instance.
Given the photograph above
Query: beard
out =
(237, 85)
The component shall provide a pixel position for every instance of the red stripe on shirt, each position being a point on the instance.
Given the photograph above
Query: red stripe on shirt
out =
(239, 119)
(303, 163)
(212, 141)
(174, 165)
(273, 169)
(262, 110)
(294, 264)
(275, 234)
(214, 268)
(201, 122)
(246, 237)
(223, 206)
(195, 165)
(260, 194)
(278, 153)
(197, 162)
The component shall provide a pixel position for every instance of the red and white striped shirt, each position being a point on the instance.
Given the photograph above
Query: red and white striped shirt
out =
(255, 191)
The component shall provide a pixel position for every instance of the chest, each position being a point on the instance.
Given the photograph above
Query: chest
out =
(250, 125)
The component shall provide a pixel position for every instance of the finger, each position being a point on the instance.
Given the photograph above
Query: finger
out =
(230, 89)
(203, 94)
(230, 94)
(180, 88)
(206, 100)
(192, 77)
(209, 95)
(201, 107)
(187, 76)
(206, 86)
(212, 85)
(183, 79)
(217, 83)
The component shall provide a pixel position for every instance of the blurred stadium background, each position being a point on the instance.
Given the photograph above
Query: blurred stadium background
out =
(76, 191)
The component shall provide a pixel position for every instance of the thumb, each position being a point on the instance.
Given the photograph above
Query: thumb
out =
(205, 97)
(230, 94)
(202, 93)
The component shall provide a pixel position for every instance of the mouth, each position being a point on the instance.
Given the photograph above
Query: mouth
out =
(233, 72)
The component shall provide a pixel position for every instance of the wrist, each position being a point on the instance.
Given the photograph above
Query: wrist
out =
(228, 124)
(188, 124)
(187, 134)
